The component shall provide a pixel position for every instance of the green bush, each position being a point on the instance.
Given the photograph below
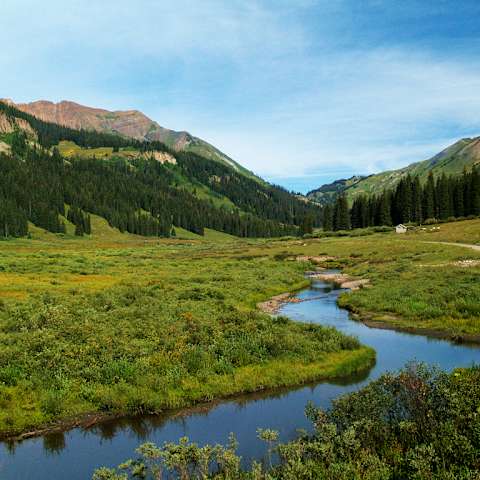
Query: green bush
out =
(418, 424)
(52, 402)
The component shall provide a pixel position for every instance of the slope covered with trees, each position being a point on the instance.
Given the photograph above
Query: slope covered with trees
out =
(411, 201)
(463, 154)
(328, 193)
(130, 123)
(139, 195)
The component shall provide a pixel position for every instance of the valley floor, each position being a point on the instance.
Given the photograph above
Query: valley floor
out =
(119, 323)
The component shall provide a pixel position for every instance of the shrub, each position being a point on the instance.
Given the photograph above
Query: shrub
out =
(418, 424)
(52, 402)
(11, 374)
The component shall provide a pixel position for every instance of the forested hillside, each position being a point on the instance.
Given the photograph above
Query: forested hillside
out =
(463, 154)
(136, 194)
(328, 193)
(131, 123)
(447, 197)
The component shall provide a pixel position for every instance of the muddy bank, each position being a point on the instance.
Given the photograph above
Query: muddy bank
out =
(85, 420)
(341, 280)
(272, 306)
(314, 258)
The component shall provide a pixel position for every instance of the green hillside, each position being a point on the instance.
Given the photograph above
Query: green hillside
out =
(463, 154)
(140, 187)
(327, 193)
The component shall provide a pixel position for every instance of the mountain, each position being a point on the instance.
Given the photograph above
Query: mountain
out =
(464, 153)
(51, 174)
(131, 123)
(328, 192)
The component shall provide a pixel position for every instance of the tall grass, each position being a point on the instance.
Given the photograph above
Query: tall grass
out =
(148, 327)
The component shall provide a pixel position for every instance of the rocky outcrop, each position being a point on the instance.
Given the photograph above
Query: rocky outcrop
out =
(164, 157)
(8, 125)
(4, 148)
(131, 123)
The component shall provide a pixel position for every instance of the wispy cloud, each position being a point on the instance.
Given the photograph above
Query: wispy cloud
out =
(300, 89)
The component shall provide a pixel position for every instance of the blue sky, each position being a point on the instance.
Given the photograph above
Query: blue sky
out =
(301, 92)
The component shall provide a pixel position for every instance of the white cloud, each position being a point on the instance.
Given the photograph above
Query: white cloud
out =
(281, 95)
(364, 110)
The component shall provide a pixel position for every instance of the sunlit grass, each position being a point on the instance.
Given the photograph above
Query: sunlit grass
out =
(117, 322)
(120, 323)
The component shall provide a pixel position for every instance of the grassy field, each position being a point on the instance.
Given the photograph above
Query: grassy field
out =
(465, 231)
(121, 323)
(417, 281)
(69, 149)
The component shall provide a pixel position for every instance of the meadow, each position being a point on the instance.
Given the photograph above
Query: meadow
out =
(116, 323)
(120, 324)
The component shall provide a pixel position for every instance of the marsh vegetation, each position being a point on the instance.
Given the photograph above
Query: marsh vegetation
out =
(120, 324)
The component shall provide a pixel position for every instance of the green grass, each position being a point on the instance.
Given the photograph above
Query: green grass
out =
(463, 231)
(121, 323)
(69, 149)
(127, 324)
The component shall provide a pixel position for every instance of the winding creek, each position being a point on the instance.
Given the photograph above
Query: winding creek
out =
(76, 453)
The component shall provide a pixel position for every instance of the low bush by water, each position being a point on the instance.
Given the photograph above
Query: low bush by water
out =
(418, 424)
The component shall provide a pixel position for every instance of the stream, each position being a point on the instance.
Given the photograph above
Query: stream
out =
(75, 454)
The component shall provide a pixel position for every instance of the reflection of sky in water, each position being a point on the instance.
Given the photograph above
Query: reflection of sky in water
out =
(75, 454)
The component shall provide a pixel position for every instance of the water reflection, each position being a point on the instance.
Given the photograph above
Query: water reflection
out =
(54, 443)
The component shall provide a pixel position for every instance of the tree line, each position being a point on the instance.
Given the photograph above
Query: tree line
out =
(249, 195)
(139, 196)
(437, 199)
(50, 134)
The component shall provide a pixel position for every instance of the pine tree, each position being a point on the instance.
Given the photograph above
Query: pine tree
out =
(443, 196)
(359, 212)
(306, 227)
(384, 215)
(327, 218)
(341, 216)
(458, 197)
(416, 214)
(429, 198)
(79, 230)
(475, 191)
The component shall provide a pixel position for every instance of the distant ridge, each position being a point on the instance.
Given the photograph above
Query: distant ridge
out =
(464, 153)
(131, 123)
(328, 192)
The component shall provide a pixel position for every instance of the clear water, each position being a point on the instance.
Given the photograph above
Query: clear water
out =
(76, 453)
